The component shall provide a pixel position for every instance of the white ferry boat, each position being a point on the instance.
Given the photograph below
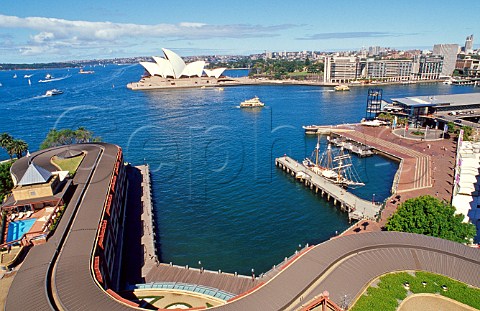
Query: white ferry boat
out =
(251, 103)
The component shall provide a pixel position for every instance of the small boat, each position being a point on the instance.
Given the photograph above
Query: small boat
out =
(86, 71)
(53, 92)
(15, 76)
(342, 87)
(251, 103)
(28, 76)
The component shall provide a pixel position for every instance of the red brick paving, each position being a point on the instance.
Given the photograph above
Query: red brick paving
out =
(439, 169)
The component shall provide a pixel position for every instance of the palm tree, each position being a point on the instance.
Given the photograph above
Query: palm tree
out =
(6, 142)
(18, 147)
(82, 135)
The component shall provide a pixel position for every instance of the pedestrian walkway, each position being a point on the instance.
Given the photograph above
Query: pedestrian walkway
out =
(231, 283)
(416, 170)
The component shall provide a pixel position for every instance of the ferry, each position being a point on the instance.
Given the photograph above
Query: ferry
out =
(53, 92)
(252, 103)
(342, 87)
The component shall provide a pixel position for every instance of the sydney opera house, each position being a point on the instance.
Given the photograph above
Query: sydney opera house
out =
(172, 72)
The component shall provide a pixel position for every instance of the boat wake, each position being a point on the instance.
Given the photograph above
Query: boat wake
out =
(54, 79)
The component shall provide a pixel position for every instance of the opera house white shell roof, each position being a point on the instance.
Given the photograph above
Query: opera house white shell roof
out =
(173, 66)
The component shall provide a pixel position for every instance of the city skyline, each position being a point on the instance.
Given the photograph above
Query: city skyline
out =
(33, 32)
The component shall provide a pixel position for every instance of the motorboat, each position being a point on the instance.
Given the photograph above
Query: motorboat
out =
(15, 76)
(28, 76)
(251, 103)
(53, 92)
(342, 87)
(48, 76)
(86, 71)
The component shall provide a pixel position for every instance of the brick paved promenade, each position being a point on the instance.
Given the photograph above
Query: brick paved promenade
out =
(428, 167)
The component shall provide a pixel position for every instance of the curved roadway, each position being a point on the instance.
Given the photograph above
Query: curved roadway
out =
(343, 266)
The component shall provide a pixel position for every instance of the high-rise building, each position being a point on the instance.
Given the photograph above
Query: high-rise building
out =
(449, 53)
(469, 45)
(341, 69)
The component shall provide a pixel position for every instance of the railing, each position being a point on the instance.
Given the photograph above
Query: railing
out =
(201, 289)
(280, 266)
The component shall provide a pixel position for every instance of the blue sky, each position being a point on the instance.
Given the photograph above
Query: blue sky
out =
(43, 31)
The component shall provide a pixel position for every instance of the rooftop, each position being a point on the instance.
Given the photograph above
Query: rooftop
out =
(439, 100)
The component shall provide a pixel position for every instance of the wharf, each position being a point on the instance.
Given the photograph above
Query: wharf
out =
(357, 208)
(148, 238)
(359, 149)
(415, 171)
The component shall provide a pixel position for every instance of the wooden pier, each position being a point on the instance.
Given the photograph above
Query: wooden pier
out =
(355, 207)
(358, 148)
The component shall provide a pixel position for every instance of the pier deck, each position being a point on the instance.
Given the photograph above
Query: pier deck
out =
(416, 172)
(357, 208)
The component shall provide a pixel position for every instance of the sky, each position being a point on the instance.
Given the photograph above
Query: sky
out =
(33, 31)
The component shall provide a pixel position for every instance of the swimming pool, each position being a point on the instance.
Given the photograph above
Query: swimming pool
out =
(18, 228)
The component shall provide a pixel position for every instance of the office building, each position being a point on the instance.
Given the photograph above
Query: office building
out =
(449, 53)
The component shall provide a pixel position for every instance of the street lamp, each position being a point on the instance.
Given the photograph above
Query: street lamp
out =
(200, 265)
(373, 199)
(253, 274)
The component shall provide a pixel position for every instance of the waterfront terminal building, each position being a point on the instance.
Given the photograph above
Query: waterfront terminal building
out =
(352, 68)
(462, 109)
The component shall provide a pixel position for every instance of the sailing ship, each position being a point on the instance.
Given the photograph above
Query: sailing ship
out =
(335, 165)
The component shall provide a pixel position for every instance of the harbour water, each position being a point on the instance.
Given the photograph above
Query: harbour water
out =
(218, 197)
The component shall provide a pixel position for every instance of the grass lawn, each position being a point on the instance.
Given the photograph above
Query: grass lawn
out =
(70, 165)
(390, 290)
(298, 74)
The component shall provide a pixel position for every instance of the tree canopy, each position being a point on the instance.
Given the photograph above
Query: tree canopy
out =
(68, 136)
(429, 216)
(6, 182)
(13, 146)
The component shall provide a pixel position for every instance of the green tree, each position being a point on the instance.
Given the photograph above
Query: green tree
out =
(467, 132)
(18, 147)
(6, 143)
(6, 182)
(67, 137)
(429, 216)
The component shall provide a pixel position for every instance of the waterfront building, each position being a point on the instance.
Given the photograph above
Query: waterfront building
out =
(427, 67)
(43, 195)
(172, 72)
(389, 70)
(469, 67)
(107, 258)
(469, 45)
(420, 109)
(449, 53)
(340, 69)
(347, 69)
